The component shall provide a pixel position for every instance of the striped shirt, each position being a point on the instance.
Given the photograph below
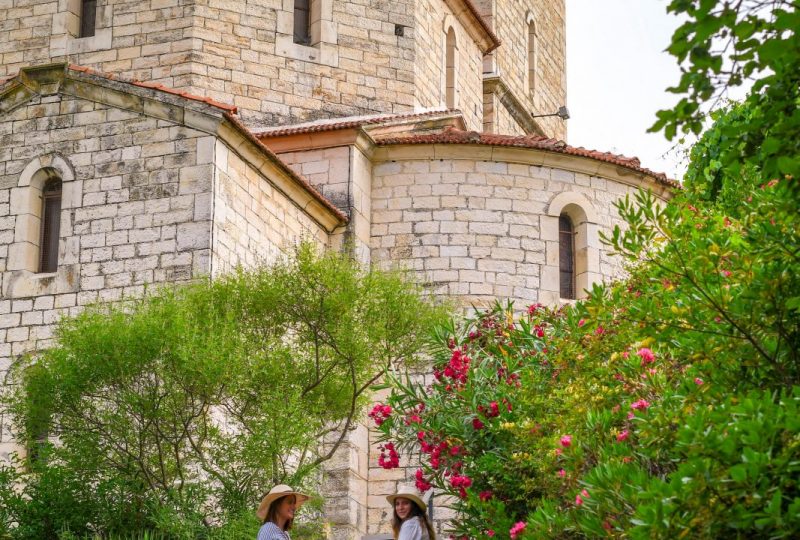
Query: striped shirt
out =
(270, 531)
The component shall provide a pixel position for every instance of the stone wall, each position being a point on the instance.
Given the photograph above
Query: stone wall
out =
(477, 223)
(136, 209)
(253, 221)
(242, 53)
(510, 22)
(434, 18)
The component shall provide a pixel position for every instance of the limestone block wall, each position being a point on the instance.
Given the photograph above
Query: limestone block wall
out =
(497, 119)
(151, 40)
(479, 223)
(253, 221)
(136, 209)
(433, 18)
(343, 174)
(510, 22)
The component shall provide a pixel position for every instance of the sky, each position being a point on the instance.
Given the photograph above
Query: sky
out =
(617, 75)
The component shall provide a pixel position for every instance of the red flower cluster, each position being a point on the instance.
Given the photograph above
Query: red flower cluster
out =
(516, 529)
(389, 458)
(647, 356)
(461, 483)
(492, 411)
(380, 413)
(422, 484)
(455, 370)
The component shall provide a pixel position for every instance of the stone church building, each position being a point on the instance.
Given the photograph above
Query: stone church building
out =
(158, 141)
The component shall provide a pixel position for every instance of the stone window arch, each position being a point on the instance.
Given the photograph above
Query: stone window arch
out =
(451, 68)
(45, 187)
(574, 209)
(532, 53)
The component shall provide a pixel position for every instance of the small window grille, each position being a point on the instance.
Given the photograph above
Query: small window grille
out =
(88, 17)
(51, 222)
(302, 22)
(566, 257)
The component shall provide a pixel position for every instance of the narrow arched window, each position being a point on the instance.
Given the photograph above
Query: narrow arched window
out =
(566, 256)
(450, 69)
(88, 18)
(531, 57)
(51, 224)
(302, 22)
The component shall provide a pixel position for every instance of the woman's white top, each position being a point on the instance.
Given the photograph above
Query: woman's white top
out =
(413, 529)
(270, 531)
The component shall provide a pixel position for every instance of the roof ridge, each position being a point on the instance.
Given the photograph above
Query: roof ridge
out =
(456, 136)
(347, 122)
(154, 86)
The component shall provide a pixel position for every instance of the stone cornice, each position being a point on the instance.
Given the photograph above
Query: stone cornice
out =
(467, 14)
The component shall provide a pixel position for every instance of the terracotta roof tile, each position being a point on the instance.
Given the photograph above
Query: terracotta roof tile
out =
(157, 86)
(334, 124)
(453, 136)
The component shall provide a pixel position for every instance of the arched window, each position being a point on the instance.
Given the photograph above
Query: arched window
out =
(531, 57)
(88, 18)
(450, 69)
(51, 222)
(302, 22)
(566, 257)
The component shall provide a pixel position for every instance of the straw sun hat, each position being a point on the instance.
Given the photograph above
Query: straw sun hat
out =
(410, 493)
(281, 490)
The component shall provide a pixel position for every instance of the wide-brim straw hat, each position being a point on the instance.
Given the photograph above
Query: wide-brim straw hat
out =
(410, 493)
(281, 490)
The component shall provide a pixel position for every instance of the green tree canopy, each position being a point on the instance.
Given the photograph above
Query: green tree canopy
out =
(184, 406)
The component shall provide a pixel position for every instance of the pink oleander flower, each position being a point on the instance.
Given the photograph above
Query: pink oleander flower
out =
(646, 355)
(623, 436)
(640, 405)
(581, 322)
(585, 493)
(562, 473)
(578, 500)
(518, 527)
(566, 441)
(490, 533)
(698, 381)
(485, 495)
(477, 424)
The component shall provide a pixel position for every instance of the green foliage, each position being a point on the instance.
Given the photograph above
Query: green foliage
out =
(664, 406)
(729, 44)
(175, 412)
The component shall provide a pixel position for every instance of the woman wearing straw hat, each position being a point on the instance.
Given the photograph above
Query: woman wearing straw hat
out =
(409, 521)
(276, 512)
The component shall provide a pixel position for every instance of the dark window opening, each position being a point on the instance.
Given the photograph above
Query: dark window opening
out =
(51, 223)
(88, 17)
(566, 257)
(302, 22)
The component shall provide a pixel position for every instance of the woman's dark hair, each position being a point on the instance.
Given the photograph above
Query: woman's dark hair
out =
(272, 514)
(416, 512)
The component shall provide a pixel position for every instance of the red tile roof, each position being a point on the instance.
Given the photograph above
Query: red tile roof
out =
(157, 86)
(453, 136)
(295, 176)
(334, 124)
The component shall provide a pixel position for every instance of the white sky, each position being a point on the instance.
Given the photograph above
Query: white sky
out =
(617, 75)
